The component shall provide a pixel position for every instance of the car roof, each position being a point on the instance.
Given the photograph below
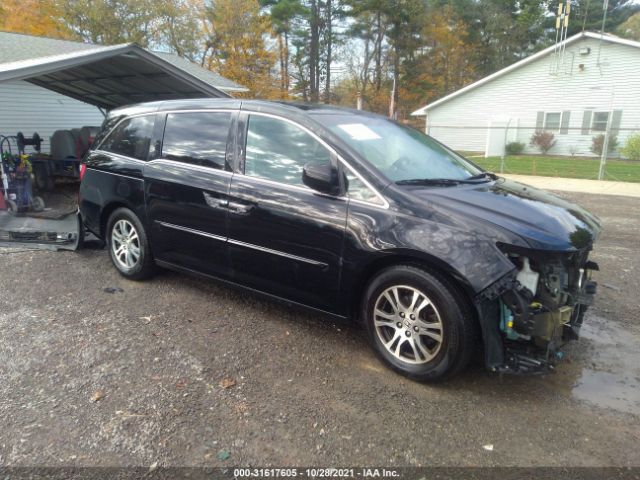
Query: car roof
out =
(273, 106)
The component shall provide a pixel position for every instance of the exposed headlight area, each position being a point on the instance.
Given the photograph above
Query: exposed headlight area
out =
(543, 307)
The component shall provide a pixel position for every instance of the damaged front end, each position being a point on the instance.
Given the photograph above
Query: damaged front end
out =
(528, 315)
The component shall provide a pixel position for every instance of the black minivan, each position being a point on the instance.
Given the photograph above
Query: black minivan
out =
(352, 215)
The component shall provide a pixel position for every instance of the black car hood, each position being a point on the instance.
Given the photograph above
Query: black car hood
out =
(543, 220)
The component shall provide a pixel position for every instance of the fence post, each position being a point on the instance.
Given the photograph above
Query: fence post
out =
(605, 142)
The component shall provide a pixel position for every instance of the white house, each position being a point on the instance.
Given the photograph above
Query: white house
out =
(576, 90)
(103, 76)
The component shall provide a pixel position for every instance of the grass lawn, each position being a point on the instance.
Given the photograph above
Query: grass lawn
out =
(568, 167)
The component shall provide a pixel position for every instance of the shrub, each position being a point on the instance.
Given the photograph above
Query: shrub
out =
(597, 142)
(544, 141)
(631, 149)
(514, 148)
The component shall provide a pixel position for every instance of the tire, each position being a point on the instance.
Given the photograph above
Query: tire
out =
(135, 261)
(42, 180)
(432, 341)
(37, 204)
(12, 207)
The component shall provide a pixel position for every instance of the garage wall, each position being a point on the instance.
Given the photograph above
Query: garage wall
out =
(27, 108)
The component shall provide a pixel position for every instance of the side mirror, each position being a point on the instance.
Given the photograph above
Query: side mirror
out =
(322, 178)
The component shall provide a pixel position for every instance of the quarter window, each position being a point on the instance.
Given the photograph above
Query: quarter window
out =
(357, 190)
(197, 138)
(600, 121)
(131, 137)
(277, 150)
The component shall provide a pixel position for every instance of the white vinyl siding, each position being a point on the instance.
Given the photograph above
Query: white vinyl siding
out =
(520, 96)
(27, 108)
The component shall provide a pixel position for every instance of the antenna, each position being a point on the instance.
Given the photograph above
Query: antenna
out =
(562, 30)
(605, 7)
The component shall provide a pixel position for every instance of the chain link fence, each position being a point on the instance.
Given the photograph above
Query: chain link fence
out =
(559, 152)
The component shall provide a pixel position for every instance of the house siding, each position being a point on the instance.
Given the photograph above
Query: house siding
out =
(518, 96)
(28, 108)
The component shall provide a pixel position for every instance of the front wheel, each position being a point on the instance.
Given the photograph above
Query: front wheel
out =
(419, 323)
(128, 245)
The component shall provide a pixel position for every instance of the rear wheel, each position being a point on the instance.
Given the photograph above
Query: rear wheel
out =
(419, 323)
(128, 245)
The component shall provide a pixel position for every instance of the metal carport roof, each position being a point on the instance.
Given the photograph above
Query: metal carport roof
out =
(113, 76)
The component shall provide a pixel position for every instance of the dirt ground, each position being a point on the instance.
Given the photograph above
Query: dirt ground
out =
(96, 370)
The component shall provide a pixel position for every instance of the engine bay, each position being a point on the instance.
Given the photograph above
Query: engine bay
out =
(540, 307)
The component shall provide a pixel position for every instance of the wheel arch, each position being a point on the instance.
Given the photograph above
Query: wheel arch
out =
(418, 259)
(107, 210)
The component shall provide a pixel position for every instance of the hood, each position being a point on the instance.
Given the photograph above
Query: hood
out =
(543, 220)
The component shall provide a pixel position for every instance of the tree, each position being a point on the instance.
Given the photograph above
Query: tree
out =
(175, 25)
(283, 15)
(180, 27)
(444, 63)
(33, 17)
(110, 22)
(630, 28)
(587, 15)
(236, 46)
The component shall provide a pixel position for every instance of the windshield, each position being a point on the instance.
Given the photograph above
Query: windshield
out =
(400, 152)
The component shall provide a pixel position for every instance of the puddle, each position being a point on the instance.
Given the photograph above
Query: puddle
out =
(612, 379)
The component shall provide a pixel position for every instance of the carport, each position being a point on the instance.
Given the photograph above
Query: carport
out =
(106, 77)
(110, 77)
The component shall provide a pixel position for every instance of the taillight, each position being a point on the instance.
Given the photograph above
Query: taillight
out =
(83, 168)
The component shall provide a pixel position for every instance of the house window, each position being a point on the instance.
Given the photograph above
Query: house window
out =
(600, 121)
(552, 121)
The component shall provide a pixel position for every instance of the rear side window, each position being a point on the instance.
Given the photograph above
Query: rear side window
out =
(131, 137)
(197, 138)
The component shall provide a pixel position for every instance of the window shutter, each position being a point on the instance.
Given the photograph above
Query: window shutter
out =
(615, 122)
(586, 122)
(564, 127)
(540, 121)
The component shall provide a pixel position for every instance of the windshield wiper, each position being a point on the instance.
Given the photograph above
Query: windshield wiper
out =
(429, 181)
(482, 175)
(446, 182)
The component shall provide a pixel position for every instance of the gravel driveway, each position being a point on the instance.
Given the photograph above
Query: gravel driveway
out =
(97, 370)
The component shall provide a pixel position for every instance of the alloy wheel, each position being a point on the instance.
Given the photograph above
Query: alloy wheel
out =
(125, 244)
(408, 324)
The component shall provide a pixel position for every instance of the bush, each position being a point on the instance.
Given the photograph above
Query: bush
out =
(514, 148)
(631, 149)
(597, 143)
(544, 141)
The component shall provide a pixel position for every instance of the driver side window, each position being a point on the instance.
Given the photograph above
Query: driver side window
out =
(277, 150)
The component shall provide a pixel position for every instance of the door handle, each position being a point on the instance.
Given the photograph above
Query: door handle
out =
(239, 208)
(214, 202)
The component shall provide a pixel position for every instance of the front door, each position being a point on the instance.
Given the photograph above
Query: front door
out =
(186, 191)
(284, 238)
